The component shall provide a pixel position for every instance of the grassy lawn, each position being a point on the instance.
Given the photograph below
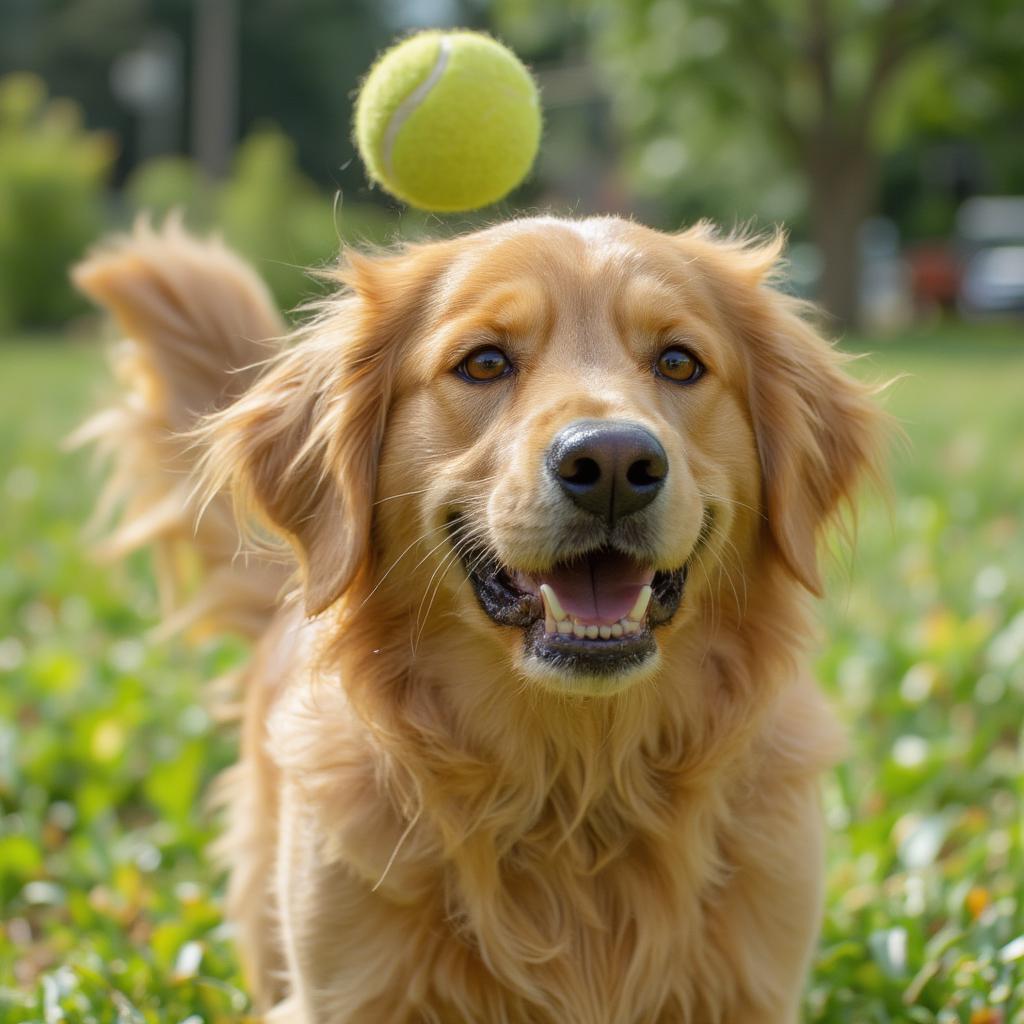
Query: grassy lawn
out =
(111, 913)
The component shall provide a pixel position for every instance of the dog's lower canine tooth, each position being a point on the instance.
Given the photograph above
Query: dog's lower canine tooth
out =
(640, 608)
(550, 625)
(552, 602)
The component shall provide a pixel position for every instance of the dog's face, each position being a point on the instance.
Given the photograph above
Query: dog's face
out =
(562, 439)
(572, 425)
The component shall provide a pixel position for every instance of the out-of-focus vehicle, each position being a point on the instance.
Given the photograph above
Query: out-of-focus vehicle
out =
(990, 231)
(993, 281)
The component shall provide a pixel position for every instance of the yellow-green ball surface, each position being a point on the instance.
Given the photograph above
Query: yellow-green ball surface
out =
(448, 121)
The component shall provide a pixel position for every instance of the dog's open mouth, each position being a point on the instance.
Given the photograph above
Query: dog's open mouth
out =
(590, 615)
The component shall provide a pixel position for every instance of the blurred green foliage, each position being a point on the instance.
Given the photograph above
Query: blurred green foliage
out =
(52, 177)
(298, 64)
(267, 209)
(924, 633)
(111, 906)
(721, 104)
(54, 204)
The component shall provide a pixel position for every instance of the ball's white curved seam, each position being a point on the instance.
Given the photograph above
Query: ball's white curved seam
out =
(406, 108)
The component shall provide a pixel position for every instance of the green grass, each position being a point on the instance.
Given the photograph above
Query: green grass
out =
(111, 910)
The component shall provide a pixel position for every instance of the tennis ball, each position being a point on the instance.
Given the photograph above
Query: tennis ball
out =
(448, 121)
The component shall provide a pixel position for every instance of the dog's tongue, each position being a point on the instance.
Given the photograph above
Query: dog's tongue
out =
(601, 588)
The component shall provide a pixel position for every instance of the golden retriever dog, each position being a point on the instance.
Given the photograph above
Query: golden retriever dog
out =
(531, 739)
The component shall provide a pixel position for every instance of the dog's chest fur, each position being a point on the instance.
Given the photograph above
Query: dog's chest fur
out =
(591, 899)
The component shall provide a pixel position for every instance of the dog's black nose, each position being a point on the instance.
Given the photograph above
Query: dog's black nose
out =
(608, 467)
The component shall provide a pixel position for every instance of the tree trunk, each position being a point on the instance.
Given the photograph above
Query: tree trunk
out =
(215, 84)
(841, 182)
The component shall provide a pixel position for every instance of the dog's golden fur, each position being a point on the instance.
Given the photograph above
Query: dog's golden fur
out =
(424, 826)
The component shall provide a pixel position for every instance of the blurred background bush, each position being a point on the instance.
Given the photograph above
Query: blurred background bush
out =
(53, 175)
(865, 127)
(266, 207)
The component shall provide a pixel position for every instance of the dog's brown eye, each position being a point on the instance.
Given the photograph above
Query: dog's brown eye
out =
(677, 364)
(485, 364)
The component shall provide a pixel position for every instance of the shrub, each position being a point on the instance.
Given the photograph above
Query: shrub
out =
(276, 216)
(267, 208)
(169, 184)
(52, 174)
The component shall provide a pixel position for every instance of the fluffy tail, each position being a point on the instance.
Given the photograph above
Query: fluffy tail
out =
(198, 324)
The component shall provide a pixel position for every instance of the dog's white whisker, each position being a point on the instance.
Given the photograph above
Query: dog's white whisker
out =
(404, 494)
(706, 495)
(394, 564)
(398, 846)
(442, 569)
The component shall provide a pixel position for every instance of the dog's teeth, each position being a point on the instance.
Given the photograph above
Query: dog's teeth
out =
(640, 608)
(556, 620)
(552, 602)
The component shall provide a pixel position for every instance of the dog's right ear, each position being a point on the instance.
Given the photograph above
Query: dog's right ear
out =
(299, 449)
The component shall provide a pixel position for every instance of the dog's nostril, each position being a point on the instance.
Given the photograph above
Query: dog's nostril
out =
(644, 473)
(584, 472)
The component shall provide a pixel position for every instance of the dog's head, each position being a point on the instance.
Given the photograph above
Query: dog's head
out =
(598, 426)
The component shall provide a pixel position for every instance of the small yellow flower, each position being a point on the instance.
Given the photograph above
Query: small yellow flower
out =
(977, 899)
(987, 1016)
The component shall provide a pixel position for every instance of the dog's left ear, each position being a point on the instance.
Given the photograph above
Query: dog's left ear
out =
(299, 449)
(819, 431)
